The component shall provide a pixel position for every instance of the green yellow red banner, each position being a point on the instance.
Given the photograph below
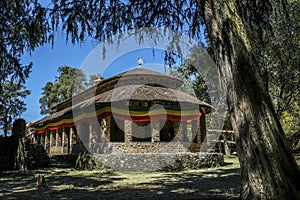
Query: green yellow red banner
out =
(137, 114)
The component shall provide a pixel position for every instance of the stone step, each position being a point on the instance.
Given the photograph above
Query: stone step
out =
(61, 161)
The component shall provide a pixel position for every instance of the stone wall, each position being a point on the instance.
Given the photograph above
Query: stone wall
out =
(137, 147)
(150, 147)
(160, 161)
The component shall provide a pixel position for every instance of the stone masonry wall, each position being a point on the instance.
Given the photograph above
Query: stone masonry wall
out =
(149, 147)
(160, 161)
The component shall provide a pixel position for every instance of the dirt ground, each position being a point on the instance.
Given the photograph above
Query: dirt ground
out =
(65, 183)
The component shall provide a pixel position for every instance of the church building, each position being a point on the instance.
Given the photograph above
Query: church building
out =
(138, 111)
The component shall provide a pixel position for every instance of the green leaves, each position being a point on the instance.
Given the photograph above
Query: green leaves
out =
(70, 81)
(11, 103)
(278, 58)
(23, 27)
(194, 83)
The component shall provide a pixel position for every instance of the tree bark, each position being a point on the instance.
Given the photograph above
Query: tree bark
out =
(268, 168)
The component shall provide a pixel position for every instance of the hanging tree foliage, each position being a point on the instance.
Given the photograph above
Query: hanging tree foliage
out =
(23, 27)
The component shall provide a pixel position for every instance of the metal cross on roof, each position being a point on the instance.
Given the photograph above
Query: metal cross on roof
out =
(140, 61)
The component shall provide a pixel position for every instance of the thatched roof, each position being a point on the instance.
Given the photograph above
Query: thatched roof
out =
(54, 115)
(134, 76)
(135, 91)
(145, 93)
(138, 72)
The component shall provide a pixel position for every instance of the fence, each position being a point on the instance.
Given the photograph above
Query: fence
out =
(225, 142)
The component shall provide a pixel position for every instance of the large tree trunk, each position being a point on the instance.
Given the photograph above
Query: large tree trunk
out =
(269, 170)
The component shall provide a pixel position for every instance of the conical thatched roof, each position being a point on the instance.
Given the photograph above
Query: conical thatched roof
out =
(144, 93)
(134, 75)
(130, 86)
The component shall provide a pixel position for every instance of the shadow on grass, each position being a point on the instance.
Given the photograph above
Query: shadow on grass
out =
(70, 184)
(22, 185)
(215, 184)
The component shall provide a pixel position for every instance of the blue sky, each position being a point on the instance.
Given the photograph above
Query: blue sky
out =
(46, 61)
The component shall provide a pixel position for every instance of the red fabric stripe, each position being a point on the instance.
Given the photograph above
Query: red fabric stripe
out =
(125, 117)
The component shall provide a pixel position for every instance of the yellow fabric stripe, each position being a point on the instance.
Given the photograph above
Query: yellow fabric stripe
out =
(138, 113)
(156, 112)
(122, 112)
(63, 121)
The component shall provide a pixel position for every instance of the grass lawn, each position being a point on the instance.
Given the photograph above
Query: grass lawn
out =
(66, 183)
(61, 183)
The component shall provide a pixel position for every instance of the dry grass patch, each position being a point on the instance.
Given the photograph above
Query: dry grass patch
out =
(219, 182)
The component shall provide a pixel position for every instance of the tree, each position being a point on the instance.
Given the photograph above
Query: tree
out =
(49, 98)
(70, 81)
(94, 79)
(268, 167)
(264, 155)
(23, 26)
(11, 104)
(192, 80)
(280, 62)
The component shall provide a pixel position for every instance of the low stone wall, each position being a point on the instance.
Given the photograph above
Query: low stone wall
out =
(148, 147)
(138, 162)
